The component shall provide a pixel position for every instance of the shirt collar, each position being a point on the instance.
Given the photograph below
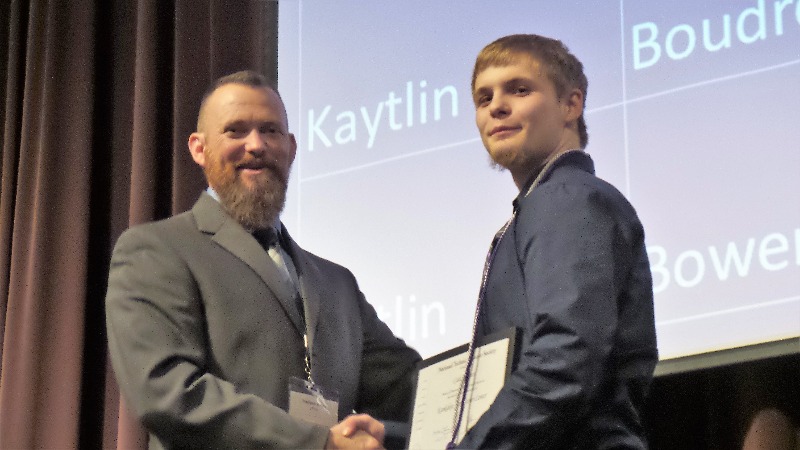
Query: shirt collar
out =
(575, 157)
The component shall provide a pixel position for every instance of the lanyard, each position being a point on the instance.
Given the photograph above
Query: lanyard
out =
(306, 347)
(462, 392)
(280, 254)
(301, 307)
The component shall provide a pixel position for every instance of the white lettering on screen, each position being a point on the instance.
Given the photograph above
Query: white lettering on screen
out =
(680, 41)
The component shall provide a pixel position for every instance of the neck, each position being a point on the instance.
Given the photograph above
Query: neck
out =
(522, 181)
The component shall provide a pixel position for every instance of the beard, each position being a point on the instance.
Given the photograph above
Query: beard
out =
(256, 206)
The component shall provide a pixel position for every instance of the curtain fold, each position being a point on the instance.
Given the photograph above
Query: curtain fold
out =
(43, 336)
(10, 70)
(98, 99)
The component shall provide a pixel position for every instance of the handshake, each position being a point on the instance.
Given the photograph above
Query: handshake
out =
(359, 431)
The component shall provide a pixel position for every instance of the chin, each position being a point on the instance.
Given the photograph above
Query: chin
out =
(501, 159)
(254, 183)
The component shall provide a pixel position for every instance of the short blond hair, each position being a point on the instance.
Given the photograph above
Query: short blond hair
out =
(561, 66)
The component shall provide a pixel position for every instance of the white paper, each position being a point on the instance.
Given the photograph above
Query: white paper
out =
(437, 394)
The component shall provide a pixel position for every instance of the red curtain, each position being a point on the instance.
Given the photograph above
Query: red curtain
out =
(98, 100)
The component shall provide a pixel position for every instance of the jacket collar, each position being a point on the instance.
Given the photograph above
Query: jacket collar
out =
(211, 219)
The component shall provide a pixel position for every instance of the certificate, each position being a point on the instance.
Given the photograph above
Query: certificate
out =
(436, 397)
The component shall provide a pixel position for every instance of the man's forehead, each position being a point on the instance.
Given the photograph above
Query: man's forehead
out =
(233, 94)
(521, 65)
(229, 100)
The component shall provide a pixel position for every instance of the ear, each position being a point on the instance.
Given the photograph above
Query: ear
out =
(293, 147)
(197, 146)
(573, 105)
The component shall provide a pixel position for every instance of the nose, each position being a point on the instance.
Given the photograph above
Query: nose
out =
(254, 142)
(499, 107)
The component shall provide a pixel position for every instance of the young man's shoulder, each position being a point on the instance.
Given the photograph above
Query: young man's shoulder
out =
(571, 181)
(570, 187)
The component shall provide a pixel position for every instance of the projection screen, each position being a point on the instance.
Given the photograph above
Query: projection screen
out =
(692, 114)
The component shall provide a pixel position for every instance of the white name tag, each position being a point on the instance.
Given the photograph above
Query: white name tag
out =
(311, 403)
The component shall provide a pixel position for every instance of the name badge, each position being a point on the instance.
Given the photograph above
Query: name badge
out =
(312, 403)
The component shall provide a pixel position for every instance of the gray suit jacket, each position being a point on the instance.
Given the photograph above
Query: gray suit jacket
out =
(203, 340)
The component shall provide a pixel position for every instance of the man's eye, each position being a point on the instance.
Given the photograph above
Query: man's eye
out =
(270, 130)
(522, 90)
(483, 100)
(235, 131)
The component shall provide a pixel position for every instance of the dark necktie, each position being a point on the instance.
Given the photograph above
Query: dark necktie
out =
(267, 237)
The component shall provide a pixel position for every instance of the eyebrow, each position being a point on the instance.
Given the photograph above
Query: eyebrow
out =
(512, 81)
(241, 122)
(517, 80)
(505, 84)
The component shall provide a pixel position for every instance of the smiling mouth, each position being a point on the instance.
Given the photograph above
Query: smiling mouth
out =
(253, 165)
(252, 168)
(502, 130)
(257, 168)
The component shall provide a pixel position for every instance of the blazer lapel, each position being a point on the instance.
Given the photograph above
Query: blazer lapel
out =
(229, 234)
(307, 276)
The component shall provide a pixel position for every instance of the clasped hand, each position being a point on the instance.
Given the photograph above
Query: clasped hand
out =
(359, 431)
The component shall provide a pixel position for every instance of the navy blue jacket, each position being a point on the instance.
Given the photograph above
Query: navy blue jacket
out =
(572, 273)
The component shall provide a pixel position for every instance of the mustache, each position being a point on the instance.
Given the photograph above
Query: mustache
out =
(271, 165)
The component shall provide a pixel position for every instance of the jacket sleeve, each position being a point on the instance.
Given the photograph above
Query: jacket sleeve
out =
(573, 249)
(387, 371)
(158, 348)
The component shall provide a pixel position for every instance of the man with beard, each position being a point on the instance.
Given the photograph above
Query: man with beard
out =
(569, 269)
(223, 333)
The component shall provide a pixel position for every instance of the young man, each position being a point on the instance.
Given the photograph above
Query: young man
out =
(213, 312)
(570, 268)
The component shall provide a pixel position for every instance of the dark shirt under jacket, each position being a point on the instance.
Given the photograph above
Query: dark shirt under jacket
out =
(572, 273)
